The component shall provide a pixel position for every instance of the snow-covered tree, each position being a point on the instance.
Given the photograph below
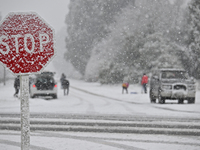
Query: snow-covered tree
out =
(140, 40)
(159, 52)
(194, 38)
(61, 65)
(87, 23)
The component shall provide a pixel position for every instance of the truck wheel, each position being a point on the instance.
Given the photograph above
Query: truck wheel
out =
(152, 97)
(153, 100)
(180, 101)
(191, 101)
(161, 99)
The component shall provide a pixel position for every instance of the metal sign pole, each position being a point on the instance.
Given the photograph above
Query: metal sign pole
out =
(25, 123)
(4, 76)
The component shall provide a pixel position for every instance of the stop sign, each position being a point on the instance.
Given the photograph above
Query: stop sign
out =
(27, 43)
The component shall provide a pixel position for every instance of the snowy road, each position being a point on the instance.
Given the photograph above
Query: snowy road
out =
(93, 98)
(104, 119)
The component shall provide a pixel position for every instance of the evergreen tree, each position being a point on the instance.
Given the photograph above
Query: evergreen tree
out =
(87, 23)
(194, 38)
(144, 37)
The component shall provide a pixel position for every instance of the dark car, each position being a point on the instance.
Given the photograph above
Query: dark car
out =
(172, 84)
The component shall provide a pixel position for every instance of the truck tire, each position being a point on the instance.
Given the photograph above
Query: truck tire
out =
(180, 101)
(161, 99)
(152, 97)
(191, 100)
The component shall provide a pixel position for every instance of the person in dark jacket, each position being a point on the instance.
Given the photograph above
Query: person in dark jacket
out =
(144, 82)
(63, 77)
(64, 84)
(17, 86)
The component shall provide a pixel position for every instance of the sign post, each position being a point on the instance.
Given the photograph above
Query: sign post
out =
(25, 122)
(27, 45)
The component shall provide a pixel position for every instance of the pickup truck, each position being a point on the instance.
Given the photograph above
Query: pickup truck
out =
(172, 84)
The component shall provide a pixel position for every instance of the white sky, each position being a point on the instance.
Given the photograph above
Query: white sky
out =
(52, 11)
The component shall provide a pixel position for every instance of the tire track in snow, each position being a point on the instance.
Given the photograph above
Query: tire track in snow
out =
(107, 102)
(93, 140)
(18, 144)
(84, 91)
(169, 109)
(114, 142)
(90, 108)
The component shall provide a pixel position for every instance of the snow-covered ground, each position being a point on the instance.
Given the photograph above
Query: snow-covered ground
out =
(10, 140)
(94, 98)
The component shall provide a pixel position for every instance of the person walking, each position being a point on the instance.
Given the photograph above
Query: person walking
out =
(63, 77)
(16, 86)
(144, 82)
(64, 84)
(125, 87)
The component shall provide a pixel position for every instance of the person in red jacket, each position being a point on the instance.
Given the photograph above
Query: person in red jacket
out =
(144, 82)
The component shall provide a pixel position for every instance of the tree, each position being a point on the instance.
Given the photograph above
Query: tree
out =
(87, 23)
(159, 52)
(194, 38)
(143, 38)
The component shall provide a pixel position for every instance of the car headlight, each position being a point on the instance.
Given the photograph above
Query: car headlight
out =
(167, 87)
(191, 87)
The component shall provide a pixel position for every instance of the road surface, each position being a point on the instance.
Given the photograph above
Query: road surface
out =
(93, 116)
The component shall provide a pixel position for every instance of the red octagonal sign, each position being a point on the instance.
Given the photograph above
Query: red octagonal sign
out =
(26, 43)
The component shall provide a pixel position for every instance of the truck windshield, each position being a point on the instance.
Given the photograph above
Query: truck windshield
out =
(174, 75)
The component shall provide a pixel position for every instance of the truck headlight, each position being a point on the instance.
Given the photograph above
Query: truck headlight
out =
(191, 87)
(167, 87)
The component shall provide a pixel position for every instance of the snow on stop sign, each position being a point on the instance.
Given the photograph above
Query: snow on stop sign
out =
(26, 43)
